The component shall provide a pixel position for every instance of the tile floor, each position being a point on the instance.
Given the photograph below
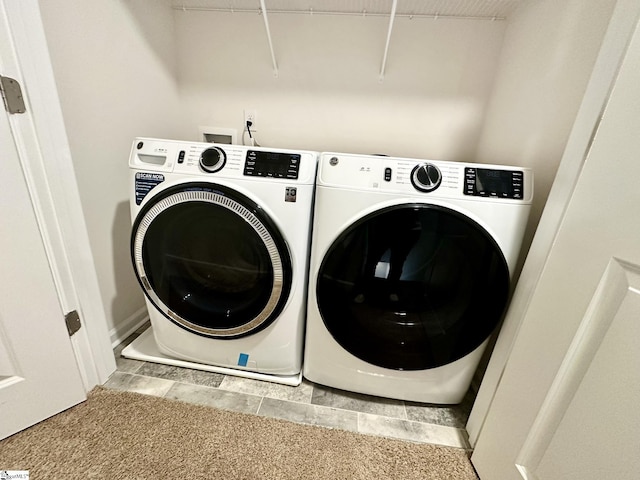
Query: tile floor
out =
(308, 403)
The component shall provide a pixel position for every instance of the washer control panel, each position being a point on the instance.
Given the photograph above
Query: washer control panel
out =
(154, 155)
(487, 182)
(272, 164)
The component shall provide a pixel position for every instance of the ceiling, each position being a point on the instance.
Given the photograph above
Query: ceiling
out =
(490, 9)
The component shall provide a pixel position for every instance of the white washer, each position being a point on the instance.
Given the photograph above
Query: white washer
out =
(411, 265)
(220, 245)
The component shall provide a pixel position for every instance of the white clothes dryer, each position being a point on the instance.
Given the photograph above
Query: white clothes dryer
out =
(411, 265)
(220, 245)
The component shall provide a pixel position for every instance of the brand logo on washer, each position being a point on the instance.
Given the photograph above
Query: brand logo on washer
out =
(333, 161)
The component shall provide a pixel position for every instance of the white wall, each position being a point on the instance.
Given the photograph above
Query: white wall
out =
(549, 51)
(114, 63)
(328, 96)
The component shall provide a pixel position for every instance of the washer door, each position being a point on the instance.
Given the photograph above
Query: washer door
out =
(211, 260)
(412, 287)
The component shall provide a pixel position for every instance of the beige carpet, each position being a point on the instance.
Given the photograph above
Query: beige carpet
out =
(131, 436)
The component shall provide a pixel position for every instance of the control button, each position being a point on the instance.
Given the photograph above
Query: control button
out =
(139, 145)
(212, 159)
(181, 156)
(426, 177)
(387, 174)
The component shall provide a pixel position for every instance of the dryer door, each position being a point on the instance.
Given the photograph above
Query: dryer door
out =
(412, 287)
(211, 260)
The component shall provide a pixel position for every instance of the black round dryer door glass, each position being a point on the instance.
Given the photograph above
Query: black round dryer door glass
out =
(211, 261)
(412, 287)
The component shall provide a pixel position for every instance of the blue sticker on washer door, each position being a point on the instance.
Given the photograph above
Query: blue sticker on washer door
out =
(243, 359)
(145, 182)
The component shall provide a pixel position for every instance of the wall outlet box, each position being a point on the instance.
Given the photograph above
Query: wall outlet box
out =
(250, 116)
(227, 136)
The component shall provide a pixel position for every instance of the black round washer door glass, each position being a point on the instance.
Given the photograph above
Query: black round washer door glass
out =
(214, 262)
(412, 287)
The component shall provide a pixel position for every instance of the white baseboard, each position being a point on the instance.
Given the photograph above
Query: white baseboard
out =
(128, 326)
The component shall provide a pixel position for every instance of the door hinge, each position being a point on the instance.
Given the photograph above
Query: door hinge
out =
(12, 95)
(72, 319)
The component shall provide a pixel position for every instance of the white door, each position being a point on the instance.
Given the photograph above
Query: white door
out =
(39, 376)
(567, 404)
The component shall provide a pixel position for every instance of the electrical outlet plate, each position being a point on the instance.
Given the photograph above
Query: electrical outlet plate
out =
(250, 116)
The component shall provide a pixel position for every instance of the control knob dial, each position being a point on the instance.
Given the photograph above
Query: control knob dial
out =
(212, 159)
(426, 177)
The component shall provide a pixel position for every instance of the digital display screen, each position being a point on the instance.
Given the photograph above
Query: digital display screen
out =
(272, 164)
(485, 182)
(498, 182)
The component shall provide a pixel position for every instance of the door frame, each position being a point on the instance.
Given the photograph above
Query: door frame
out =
(603, 77)
(45, 156)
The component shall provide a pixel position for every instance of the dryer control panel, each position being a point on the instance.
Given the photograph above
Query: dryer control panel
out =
(435, 178)
(487, 182)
